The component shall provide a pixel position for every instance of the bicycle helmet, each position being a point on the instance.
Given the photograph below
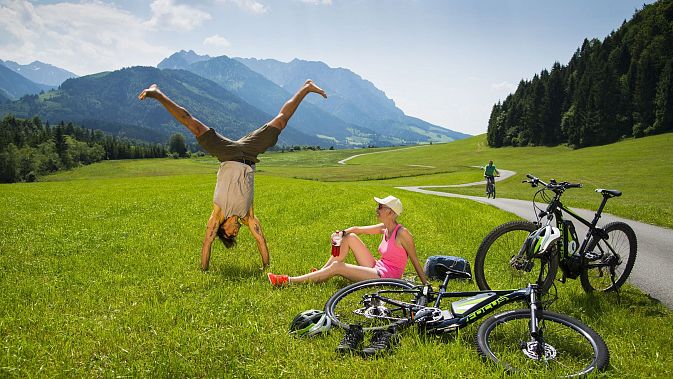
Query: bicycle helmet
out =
(310, 323)
(539, 240)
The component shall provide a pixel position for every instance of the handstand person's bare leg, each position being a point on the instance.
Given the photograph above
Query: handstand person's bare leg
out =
(280, 121)
(195, 126)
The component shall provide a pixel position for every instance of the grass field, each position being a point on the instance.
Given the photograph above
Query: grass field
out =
(99, 266)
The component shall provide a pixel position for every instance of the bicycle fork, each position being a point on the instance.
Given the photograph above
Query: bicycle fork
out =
(536, 333)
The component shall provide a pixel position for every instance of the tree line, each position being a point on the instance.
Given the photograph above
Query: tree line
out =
(29, 148)
(620, 87)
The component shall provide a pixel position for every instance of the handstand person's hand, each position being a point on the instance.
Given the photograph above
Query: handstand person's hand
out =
(151, 91)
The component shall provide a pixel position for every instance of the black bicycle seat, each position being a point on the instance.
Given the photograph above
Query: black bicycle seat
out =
(609, 193)
(443, 270)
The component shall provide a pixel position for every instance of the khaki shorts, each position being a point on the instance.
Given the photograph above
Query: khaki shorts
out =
(246, 148)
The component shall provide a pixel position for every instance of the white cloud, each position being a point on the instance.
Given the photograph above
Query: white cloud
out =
(317, 2)
(81, 37)
(168, 15)
(217, 41)
(251, 6)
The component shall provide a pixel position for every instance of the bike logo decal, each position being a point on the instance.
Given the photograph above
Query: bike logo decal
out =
(486, 308)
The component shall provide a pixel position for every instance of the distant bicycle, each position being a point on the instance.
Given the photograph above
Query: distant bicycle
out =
(490, 186)
(531, 341)
(521, 252)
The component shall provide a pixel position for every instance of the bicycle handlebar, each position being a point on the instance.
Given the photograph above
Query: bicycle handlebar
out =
(552, 185)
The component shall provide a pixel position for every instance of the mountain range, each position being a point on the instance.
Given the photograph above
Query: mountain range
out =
(232, 95)
(41, 73)
(13, 85)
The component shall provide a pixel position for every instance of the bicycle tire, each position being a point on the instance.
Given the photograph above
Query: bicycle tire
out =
(490, 189)
(622, 238)
(341, 307)
(571, 348)
(493, 268)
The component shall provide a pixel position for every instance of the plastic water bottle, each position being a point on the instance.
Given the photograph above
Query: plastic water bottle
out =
(336, 243)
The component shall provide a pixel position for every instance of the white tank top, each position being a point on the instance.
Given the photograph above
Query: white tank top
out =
(234, 190)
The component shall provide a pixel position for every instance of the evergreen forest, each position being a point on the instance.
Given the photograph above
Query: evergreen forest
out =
(29, 149)
(620, 87)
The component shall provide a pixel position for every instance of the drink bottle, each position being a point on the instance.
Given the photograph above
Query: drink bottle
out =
(336, 243)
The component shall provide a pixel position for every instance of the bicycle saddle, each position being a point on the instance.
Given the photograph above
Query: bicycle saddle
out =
(609, 193)
(443, 270)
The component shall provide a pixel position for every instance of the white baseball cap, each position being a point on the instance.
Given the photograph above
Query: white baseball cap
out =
(391, 202)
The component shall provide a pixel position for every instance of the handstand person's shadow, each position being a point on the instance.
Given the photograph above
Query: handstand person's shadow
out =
(237, 273)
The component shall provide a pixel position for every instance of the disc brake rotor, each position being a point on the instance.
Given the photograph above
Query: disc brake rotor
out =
(531, 351)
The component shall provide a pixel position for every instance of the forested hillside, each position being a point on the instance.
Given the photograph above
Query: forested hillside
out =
(29, 148)
(611, 89)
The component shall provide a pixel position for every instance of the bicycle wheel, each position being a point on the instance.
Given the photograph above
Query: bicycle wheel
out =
(499, 263)
(570, 348)
(489, 188)
(352, 304)
(617, 252)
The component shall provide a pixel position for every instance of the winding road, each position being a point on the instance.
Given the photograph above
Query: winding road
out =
(654, 262)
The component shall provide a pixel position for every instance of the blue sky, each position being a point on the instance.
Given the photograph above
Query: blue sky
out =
(445, 61)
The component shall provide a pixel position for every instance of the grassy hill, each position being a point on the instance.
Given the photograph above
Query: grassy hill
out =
(100, 267)
(637, 167)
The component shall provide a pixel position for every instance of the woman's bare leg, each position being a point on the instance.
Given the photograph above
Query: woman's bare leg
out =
(348, 271)
(353, 243)
(195, 126)
(280, 121)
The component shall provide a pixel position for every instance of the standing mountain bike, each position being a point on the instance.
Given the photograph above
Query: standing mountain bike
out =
(530, 341)
(521, 252)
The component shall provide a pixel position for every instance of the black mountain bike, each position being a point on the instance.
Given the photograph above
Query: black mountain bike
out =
(526, 340)
(490, 186)
(514, 254)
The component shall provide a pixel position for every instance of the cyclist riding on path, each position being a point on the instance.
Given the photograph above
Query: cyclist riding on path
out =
(233, 198)
(490, 172)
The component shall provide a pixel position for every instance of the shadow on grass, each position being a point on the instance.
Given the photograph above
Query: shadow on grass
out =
(595, 304)
(235, 273)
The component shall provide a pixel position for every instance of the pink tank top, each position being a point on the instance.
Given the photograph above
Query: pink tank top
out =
(391, 254)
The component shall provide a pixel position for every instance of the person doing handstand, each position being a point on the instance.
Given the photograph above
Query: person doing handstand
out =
(234, 190)
(397, 245)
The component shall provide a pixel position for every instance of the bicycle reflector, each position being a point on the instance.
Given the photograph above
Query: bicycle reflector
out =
(539, 240)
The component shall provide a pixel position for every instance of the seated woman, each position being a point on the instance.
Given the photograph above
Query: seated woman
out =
(396, 246)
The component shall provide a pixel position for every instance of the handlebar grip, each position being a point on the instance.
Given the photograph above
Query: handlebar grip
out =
(574, 185)
(529, 176)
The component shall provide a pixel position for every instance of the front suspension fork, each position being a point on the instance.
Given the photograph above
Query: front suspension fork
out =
(535, 331)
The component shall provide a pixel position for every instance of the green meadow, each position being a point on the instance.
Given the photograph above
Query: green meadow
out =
(99, 266)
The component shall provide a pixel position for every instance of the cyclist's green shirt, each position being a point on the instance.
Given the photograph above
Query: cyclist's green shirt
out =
(489, 170)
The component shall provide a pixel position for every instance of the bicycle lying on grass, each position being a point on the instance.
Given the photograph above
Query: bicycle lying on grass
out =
(521, 252)
(524, 340)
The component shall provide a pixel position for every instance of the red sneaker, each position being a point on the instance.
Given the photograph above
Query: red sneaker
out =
(278, 280)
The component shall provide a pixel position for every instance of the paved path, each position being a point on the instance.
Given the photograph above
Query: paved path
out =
(654, 262)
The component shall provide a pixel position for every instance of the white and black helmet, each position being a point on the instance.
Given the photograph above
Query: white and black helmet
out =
(310, 323)
(538, 241)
